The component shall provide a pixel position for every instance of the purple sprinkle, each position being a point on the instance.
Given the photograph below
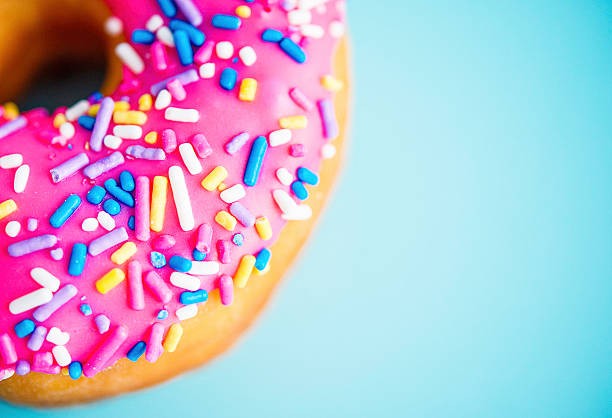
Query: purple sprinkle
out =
(60, 298)
(22, 367)
(13, 126)
(104, 165)
(237, 142)
(31, 245)
(69, 167)
(106, 241)
(143, 153)
(32, 224)
(103, 118)
(191, 11)
(103, 323)
(37, 338)
(57, 254)
(328, 117)
(241, 213)
(186, 77)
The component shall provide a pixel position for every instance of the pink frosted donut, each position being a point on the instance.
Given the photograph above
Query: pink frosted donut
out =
(121, 217)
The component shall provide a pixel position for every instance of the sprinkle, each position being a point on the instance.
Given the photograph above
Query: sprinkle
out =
(163, 314)
(263, 227)
(32, 223)
(255, 161)
(7, 349)
(155, 22)
(238, 239)
(65, 211)
(185, 281)
(214, 178)
(190, 159)
(312, 31)
(163, 99)
(207, 70)
(284, 176)
(106, 221)
(196, 36)
(77, 110)
(229, 22)
(11, 161)
(136, 292)
(280, 137)
(204, 268)
(223, 251)
(159, 57)
(108, 240)
(226, 290)
(158, 260)
(186, 78)
(112, 142)
(236, 143)
(272, 35)
(201, 146)
(69, 167)
(336, 29)
(75, 370)
(111, 207)
(158, 203)
(183, 47)
(293, 50)
(157, 285)
(204, 238)
(25, 327)
(113, 26)
(59, 299)
(328, 118)
(233, 194)
(181, 198)
(247, 55)
(226, 220)
(167, 7)
(164, 35)
(102, 323)
(307, 176)
(243, 11)
(78, 257)
(110, 280)
(85, 309)
(177, 90)
(191, 11)
(129, 117)
(129, 57)
(105, 352)
(21, 178)
(124, 253)
(242, 214)
(22, 367)
(331, 83)
(169, 141)
(197, 255)
(37, 339)
(102, 123)
(45, 279)
(180, 264)
(67, 130)
(61, 354)
(127, 131)
(248, 90)
(141, 36)
(57, 254)
(43, 362)
(31, 245)
(173, 337)
(298, 17)
(137, 351)
(126, 179)
(176, 114)
(243, 272)
(228, 79)
(262, 259)
(293, 122)
(151, 137)
(186, 312)
(144, 153)
(190, 298)
(142, 211)
(203, 54)
(104, 165)
(154, 346)
(297, 150)
(301, 99)
(12, 229)
(7, 208)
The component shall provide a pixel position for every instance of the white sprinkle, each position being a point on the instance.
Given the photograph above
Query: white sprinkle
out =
(165, 36)
(129, 57)
(204, 268)
(21, 178)
(12, 229)
(128, 131)
(106, 221)
(61, 354)
(90, 225)
(284, 201)
(225, 50)
(155, 22)
(247, 55)
(32, 224)
(328, 151)
(67, 130)
(207, 70)
(177, 114)
(30, 301)
(280, 137)
(8, 373)
(190, 159)
(284, 176)
(336, 29)
(57, 336)
(112, 141)
(45, 279)
(187, 312)
(77, 110)
(181, 198)
(163, 99)
(233, 194)
(185, 281)
(299, 213)
(299, 17)
(11, 161)
(113, 26)
(312, 31)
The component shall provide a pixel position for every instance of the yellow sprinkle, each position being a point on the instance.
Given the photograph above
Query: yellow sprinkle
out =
(243, 11)
(119, 106)
(151, 137)
(214, 178)
(65, 371)
(7, 207)
(124, 253)
(110, 280)
(129, 117)
(93, 110)
(244, 270)
(248, 90)
(173, 337)
(145, 102)
(331, 83)
(221, 187)
(226, 220)
(293, 122)
(158, 203)
(11, 111)
(58, 120)
(263, 227)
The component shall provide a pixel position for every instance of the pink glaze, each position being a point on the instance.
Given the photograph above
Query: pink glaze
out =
(222, 117)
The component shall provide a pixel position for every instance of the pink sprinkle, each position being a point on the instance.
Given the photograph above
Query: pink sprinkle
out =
(7, 349)
(301, 99)
(202, 56)
(226, 289)
(154, 346)
(160, 58)
(169, 140)
(104, 353)
(136, 291)
(164, 242)
(176, 89)
(142, 209)
(297, 150)
(204, 238)
(158, 287)
(223, 248)
(201, 145)
(43, 363)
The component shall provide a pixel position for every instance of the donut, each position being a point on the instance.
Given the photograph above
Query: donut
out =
(142, 230)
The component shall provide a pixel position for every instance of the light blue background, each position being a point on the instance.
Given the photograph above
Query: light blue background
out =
(464, 267)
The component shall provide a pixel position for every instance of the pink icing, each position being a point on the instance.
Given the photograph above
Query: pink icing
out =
(222, 116)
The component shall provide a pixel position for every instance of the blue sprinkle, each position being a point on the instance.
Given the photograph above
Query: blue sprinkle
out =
(118, 193)
(307, 176)
(198, 256)
(75, 370)
(167, 7)
(235, 60)
(255, 161)
(179, 263)
(271, 35)
(77, 259)
(196, 36)
(24, 328)
(226, 22)
(189, 298)
(228, 79)
(111, 207)
(137, 350)
(293, 50)
(238, 239)
(96, 97)
(299, 190)
(132, 223)
(96, 195)
(142, 36)
(163, 314)
(158, 260)
(262, 259)
(85, 309)
(126, 179)
(86, 122)
(183, 47)
(65, 211)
